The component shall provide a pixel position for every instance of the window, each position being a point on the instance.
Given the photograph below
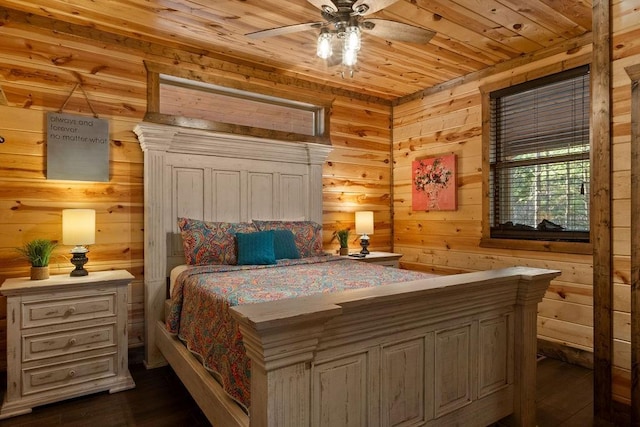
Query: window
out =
(188, 98)
(539, 159)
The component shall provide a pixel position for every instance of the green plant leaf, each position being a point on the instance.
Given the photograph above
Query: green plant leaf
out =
(38, 251)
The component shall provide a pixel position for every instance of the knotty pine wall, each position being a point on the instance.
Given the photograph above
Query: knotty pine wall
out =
(449, 121)
(38, 69)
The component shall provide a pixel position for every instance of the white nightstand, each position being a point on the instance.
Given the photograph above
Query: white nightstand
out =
(388, 259)
(66, 337)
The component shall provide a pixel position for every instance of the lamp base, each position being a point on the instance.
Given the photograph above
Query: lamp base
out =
(364, 242)
(79, 259)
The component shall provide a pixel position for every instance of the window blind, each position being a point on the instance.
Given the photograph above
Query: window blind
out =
(539, 159)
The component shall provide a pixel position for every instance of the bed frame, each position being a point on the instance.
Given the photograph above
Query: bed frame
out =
(451, 350)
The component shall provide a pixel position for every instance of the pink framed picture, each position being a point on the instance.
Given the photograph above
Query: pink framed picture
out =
(433, 184)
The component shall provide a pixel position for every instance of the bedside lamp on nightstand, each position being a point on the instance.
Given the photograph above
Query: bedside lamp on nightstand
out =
(364, 226)
(79, 229)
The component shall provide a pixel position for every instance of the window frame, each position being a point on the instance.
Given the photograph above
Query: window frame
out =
(509, 243)
(155, 77)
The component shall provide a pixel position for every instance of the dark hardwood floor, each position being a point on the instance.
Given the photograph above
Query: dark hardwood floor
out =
(158, 400)
(565, 398)
(564, 395)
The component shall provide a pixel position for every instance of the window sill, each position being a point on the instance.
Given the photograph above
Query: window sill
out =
(538, 245)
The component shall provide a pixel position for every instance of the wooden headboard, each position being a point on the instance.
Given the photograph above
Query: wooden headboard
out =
(216, 177)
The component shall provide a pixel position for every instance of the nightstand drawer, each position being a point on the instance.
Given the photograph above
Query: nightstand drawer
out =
(41, 313)
(52, 377)
(394, 264)
(41, 346)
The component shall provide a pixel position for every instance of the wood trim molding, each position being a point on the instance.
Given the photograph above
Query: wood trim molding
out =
(202, 142)
(634, 74)
(485, 104)
(601, 234)
(538, 245)
(560, 351)
(251, 132)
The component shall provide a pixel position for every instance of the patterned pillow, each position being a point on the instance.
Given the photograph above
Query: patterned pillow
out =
(307, 234)
(207, 243)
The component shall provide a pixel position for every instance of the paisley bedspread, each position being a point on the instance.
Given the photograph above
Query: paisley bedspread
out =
(202, 296)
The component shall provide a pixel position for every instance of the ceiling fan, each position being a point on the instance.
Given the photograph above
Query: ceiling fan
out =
(344, 21)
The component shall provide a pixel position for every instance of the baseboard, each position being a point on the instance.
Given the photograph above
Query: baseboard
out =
(621, 413)
(136, 355)
(572, 355)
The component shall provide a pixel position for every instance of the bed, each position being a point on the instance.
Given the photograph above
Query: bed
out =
(448, 350)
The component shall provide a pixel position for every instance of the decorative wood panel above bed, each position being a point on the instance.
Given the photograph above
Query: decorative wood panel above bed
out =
(216, 177)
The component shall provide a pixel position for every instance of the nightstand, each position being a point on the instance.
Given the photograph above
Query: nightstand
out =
(388, 259)
(66, 337)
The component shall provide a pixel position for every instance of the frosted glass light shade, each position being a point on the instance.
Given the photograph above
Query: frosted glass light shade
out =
(352, 38)
(349, 57)
(364, 222)
(78, 227)
(324, 49)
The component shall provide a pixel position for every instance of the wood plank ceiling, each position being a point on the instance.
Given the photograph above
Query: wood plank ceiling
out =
(470, 35)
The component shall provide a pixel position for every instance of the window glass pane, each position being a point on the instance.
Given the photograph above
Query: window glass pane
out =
(181, 97)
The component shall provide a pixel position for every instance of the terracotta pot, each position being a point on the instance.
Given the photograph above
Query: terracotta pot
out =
(39, 273)
(344, 251)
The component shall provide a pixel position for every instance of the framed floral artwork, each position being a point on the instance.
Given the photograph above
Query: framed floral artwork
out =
(433, 184)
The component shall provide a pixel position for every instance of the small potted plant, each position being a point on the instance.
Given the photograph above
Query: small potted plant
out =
(38, 252)
(343, 238)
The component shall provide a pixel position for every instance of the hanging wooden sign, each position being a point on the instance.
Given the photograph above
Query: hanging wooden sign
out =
(77, 148)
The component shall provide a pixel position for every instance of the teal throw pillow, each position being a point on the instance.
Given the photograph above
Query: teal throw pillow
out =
(284, 245)
(256, 248)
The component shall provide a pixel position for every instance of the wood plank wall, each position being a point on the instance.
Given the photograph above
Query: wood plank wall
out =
(38, 69)
(449, 121)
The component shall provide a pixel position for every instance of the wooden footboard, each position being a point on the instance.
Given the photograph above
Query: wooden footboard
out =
(454, 350)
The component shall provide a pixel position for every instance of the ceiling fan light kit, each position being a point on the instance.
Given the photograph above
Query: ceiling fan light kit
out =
(347, 17)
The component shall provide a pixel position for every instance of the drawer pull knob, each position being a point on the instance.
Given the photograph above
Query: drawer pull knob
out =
(72, 373)
(72, 341)
(71, 310)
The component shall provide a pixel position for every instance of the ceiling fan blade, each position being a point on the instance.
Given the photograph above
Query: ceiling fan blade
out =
(367, 7)
(392, 30)
(324, 5)
(288, 29)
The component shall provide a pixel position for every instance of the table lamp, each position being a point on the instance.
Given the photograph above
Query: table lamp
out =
(364, 227)
(79, 229)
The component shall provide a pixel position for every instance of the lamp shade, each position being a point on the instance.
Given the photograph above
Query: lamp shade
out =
(78, 227)
(364, 222)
